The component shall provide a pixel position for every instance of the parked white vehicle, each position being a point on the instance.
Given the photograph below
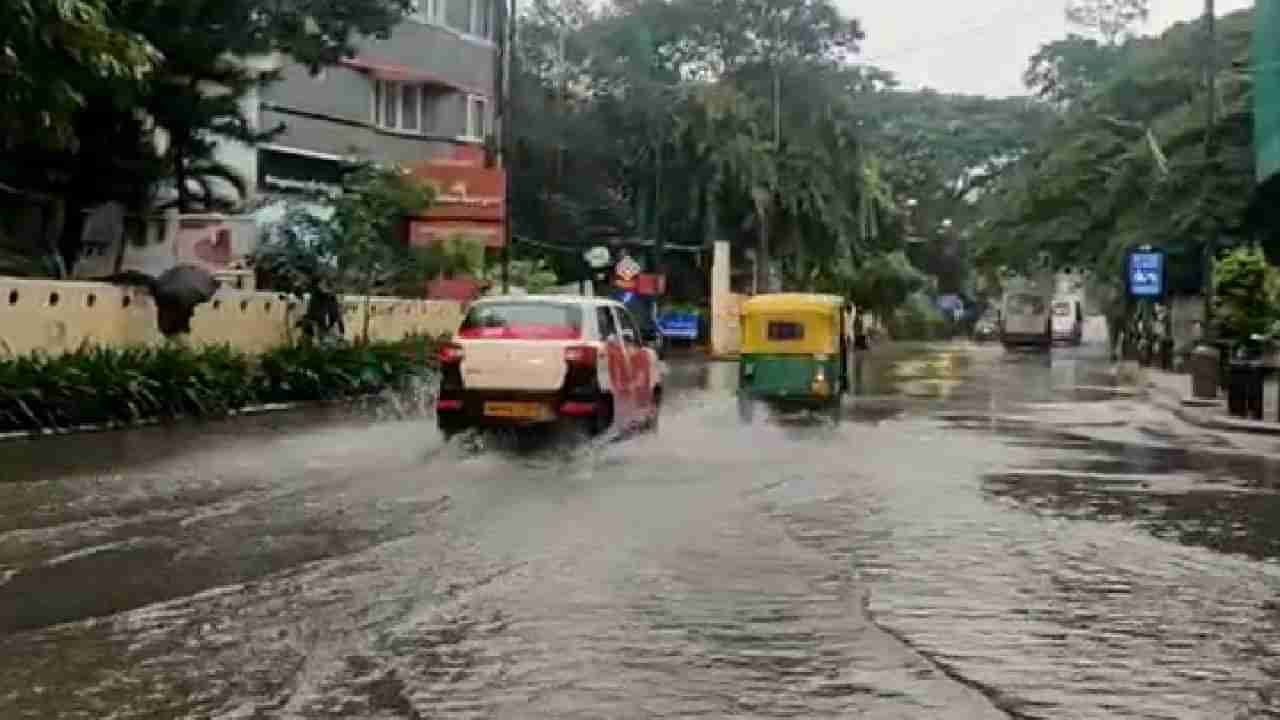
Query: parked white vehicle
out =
(541, 359)
(1068, 321)
(1025, 320)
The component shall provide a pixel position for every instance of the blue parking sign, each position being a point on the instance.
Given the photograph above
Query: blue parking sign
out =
(1146, 274)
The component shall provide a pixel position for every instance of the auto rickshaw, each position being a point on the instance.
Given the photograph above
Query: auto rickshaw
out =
(795, 353)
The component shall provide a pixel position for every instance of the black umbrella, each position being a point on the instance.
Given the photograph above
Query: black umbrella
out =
(186, 285)
(178, 291)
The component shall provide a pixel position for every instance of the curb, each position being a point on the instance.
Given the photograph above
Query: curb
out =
(1173, 402)
(249, 411)
(152, 422)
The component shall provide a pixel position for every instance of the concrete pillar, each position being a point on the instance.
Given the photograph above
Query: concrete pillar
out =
(725, 329)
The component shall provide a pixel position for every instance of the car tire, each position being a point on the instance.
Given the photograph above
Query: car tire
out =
(450, 430)
(835, 410)
(651, 424)
(600, 423)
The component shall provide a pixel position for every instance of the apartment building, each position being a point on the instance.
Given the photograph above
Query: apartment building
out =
(423, 98)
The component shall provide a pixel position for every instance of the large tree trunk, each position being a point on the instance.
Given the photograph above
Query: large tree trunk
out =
(180, 180)
(763, 204)
(642, 208)
(801, 251)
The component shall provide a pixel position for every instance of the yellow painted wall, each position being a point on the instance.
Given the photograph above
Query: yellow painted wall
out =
(55, 317)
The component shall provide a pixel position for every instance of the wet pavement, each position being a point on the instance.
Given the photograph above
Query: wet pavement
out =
(983, 535)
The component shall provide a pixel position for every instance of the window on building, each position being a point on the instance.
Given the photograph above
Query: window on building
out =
(403, 107)
(477, 117)
(481, 18)
(427, 11)
(411, 108)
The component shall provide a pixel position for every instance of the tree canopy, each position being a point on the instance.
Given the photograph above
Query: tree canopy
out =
(1125, 163)
(54, 55)
(116, 100)
(693, 120)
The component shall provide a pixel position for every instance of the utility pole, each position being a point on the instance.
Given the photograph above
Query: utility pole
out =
(504, 69)
(657, 212)
(560, 109)
(777, 84)
(1211, 157)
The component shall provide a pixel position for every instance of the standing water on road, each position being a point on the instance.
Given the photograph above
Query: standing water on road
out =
(983, 535)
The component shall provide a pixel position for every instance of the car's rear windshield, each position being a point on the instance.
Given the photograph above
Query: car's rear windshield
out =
(523, 321)
(1025, 305)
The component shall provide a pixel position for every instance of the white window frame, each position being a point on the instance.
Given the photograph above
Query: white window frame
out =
(379, 89)
(436, 13)
(469, 133)
(480, 11)
(430, 12)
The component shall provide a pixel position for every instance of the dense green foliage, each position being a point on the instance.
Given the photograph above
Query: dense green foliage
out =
(55, 54)
(1247, 294)
(679, 122)
(686, 122)
(884, 283)
(916, 319)
(98, 385)
(1125, 162)
(356, 247)
(118, 100)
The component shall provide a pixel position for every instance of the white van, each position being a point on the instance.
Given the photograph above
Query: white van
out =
(1068, 321)
(1025, 321)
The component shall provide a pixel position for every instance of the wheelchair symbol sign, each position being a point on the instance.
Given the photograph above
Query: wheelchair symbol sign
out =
(1146, 274)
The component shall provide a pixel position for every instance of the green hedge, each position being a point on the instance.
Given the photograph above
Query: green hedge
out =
(100, 385)
(917, 319)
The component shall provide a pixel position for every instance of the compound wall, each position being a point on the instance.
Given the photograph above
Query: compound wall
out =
(55, 317)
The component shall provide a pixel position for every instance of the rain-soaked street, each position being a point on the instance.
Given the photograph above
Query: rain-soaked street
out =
(984, 535)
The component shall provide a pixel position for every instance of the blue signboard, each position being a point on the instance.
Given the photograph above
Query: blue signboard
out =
(683, 326)
(1146, 274)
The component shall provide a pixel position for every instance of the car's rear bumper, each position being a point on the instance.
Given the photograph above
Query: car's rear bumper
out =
(1025, 339)
(794, 400)
(473, 408)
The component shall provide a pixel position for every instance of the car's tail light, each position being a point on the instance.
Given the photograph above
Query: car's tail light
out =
(578, 409)
(580, 355)
(451, 353)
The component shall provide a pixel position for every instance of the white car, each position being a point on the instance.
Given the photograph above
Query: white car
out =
(536, 360)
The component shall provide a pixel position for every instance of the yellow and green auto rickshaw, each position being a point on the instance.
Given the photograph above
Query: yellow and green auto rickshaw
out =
(795, 352)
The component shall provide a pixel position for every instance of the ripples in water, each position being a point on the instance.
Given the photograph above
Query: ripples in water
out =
(714, 570)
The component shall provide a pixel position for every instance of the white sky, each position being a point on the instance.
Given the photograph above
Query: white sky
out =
(979, 46)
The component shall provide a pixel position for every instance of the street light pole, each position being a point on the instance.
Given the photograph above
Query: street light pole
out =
(506, 155)
(658, 240)
(1210, 155)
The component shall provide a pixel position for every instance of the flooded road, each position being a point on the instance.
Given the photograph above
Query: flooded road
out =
(982, 536)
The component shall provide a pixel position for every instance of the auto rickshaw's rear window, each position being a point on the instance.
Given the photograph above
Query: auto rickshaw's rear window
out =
(523, 321)
(784, 331)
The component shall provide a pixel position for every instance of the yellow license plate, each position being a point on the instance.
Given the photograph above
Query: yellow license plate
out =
(516, 410)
